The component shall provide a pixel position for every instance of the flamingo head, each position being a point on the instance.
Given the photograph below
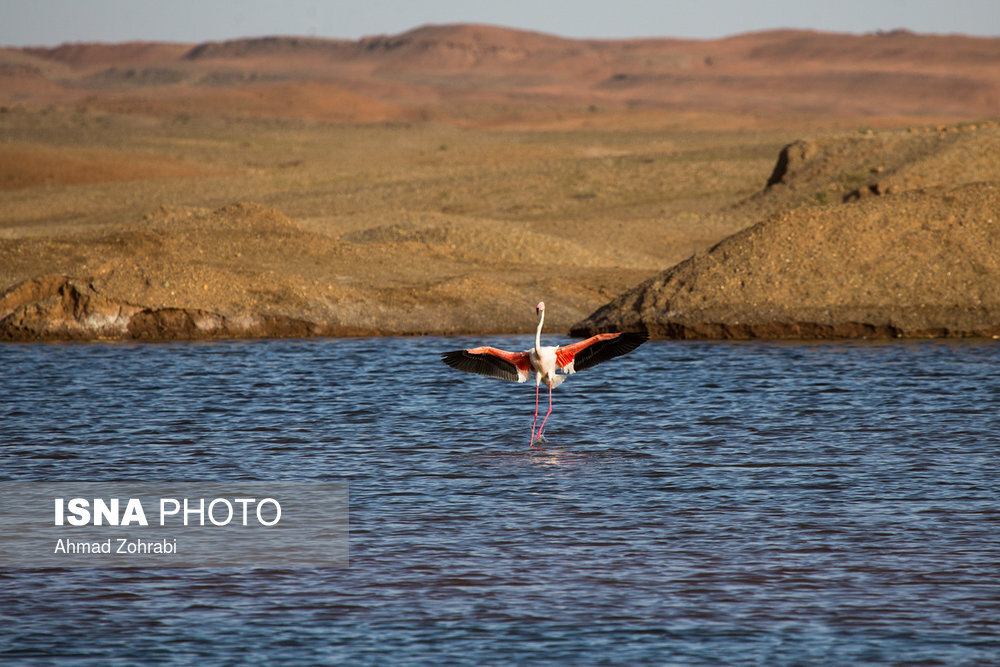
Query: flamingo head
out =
(540, 308)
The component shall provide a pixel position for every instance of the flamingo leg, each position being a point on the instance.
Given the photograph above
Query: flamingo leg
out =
(546, 414)
(535, 419)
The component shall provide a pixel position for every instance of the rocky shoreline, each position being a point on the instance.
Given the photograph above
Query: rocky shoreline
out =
(61, 308)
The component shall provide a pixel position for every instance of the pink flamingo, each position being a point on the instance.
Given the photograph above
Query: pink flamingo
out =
(543, 361)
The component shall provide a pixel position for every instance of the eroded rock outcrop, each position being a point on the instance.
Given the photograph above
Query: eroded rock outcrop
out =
(57, 307)
(60, 307)
(853, 166)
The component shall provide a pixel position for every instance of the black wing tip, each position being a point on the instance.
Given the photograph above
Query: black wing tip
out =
(454, 357)
(638, 337)
(480, 364)
(625, 342)
(628, 341)
(621, 343)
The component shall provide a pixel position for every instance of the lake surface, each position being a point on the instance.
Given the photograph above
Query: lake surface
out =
(696, 503)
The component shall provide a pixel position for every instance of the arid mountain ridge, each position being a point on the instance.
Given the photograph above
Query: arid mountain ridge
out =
(438, 71)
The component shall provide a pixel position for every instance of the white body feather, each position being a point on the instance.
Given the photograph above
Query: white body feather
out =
(543, 361)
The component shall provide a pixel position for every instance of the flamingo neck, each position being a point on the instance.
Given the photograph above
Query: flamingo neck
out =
(538, 333)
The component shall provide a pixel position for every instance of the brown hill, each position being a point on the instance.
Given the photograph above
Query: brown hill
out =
(442, 70)
(271, 47)
(82, 56)
(247, 270)
(922, 260)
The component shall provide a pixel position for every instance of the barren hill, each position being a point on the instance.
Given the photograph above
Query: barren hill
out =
(247, 270)
(910, 247)
(440, 71)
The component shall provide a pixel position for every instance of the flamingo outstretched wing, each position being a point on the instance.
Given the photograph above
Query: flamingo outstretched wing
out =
(594, 350)
(519, 366)
(491, 362)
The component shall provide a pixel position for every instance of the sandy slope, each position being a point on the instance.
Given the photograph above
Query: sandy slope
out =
(244, 262)
(910, 246)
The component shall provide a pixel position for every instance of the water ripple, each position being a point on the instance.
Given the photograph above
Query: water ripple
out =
(696, 503)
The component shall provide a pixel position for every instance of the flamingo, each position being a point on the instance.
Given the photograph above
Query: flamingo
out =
(543, 361)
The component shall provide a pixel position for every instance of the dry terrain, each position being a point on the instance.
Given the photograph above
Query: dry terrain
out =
(886, 235)
(446, 179)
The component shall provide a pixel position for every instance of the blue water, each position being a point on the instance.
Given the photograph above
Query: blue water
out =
(696, 503)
